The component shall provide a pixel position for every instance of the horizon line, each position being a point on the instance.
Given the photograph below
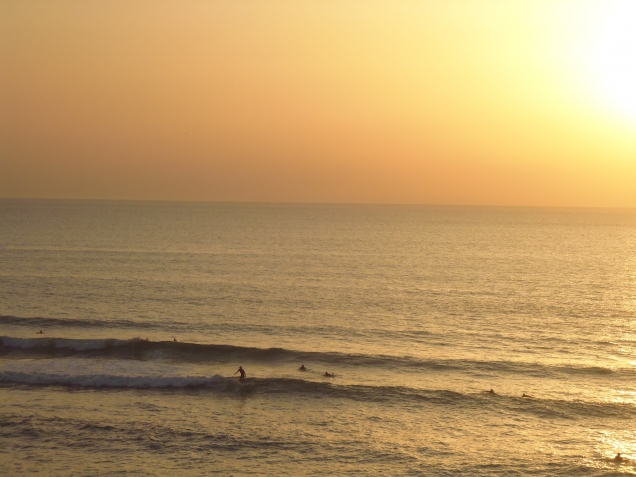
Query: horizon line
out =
(300, 203)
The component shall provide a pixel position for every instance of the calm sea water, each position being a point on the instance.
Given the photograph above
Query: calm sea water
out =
(417, 311)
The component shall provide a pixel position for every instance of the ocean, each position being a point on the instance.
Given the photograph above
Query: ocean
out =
(147, 309)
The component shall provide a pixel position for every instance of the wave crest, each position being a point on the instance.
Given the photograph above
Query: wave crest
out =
(543, 408)
(138, 348)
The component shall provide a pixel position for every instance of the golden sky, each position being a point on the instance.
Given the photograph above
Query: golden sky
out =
(434, 102)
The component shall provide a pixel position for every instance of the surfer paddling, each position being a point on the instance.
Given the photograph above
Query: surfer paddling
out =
(242, 371)
(329, 375)
(302, 368)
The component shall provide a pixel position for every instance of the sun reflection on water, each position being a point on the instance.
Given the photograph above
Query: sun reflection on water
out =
(610, 444)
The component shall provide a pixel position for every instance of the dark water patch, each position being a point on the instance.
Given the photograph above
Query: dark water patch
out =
(154, 437)
(43, 323)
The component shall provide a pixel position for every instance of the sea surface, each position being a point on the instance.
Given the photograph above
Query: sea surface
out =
(147, 309)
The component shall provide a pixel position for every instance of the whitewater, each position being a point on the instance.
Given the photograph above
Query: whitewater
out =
(122, 325)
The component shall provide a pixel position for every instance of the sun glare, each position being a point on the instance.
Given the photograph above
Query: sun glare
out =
(614, 58)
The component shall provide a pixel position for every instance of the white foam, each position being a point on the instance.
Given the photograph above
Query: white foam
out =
(109, 380)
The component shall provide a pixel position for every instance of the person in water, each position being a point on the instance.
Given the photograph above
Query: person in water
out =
(329, 375)
(526, 395)
(242, 371)
(618, 458)
(302, 368)
(492, 391)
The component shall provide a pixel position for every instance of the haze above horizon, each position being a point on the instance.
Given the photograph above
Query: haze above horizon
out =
(522, 103)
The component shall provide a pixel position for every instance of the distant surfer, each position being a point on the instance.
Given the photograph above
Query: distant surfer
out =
(302, 368)
(242, 371)
(526, 395)
(329, 375)
(618, 458)
(492, 391)
(174, 339)
(40, 332)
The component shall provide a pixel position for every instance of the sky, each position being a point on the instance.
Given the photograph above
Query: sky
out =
(467, 102)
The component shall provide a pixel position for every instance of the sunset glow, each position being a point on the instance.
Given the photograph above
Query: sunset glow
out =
(501, 103)
(615, 58)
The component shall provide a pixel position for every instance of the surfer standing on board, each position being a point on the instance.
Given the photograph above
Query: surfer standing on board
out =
(242, 371)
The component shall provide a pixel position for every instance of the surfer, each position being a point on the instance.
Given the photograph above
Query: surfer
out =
(40, 332)
(302, 368)
(242, 371)
(329, 375)
(492, 391)
(174, 339)
(618, 458)
(526, 395)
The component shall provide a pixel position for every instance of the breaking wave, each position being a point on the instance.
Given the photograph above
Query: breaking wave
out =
(142, 349)
(546, 408)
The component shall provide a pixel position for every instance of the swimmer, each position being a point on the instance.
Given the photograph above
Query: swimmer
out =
(302, 368)
(40, 332)
(618, 458)
(492, 391)
(526, 395)
(243, 374)
(329, 375)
